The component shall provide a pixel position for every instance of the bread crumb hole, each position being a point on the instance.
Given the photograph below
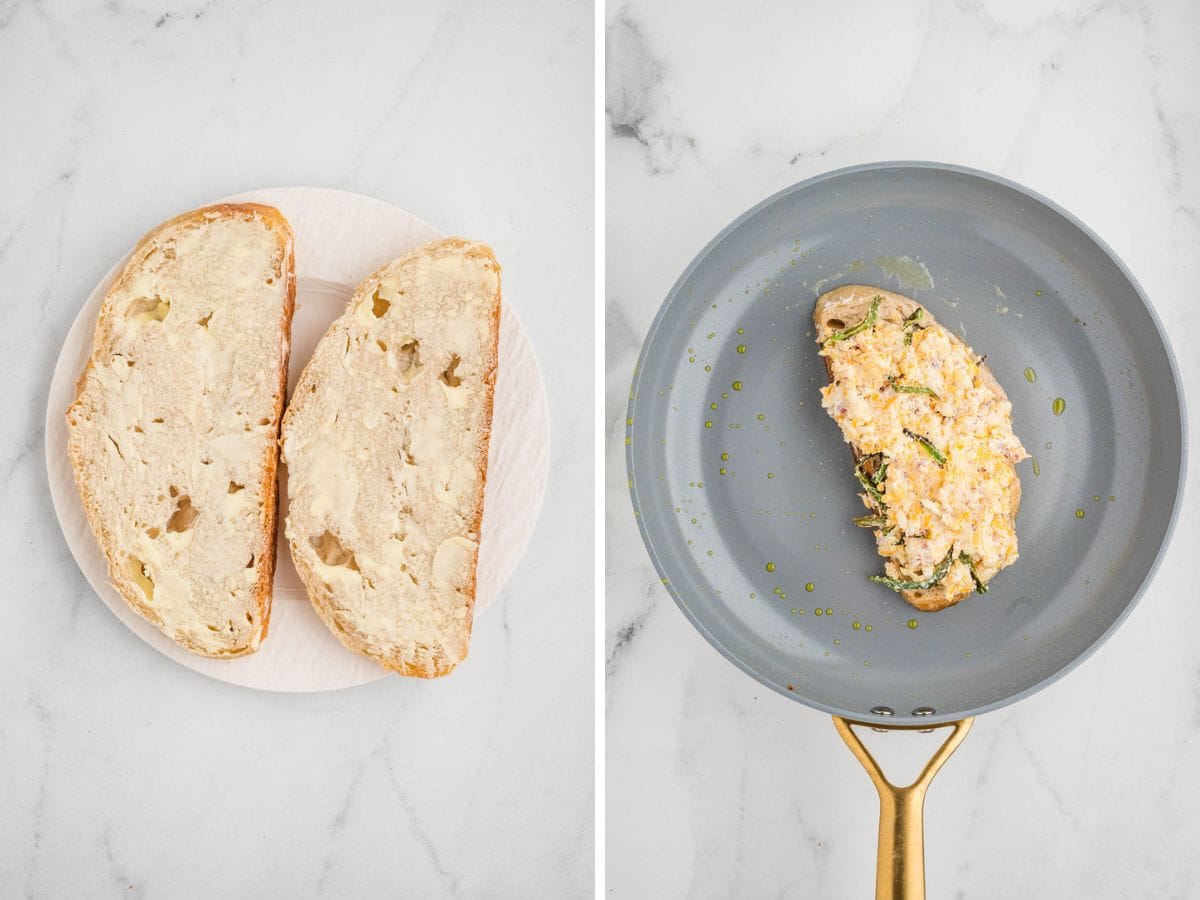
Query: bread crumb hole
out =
(117, 446)
(835, 323)
(264, 421)
(270, 281)
(157, 421)
(382, 345)
(147, 309)
(212, 628)
(234, 487)
(379, 306)
(174, 491)
(448, 377)
(184, 517)
(203, 323)
(250, 565)
(152, 533)
(250, 618)
(139, 575)
(409, 358)
(331, 552)
(138, 429)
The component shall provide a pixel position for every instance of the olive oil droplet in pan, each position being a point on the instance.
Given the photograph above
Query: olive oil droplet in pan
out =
(741, 348)
(770, 567)
(912, 623)
(809, 587)
(1030, 375)
(1059, 406)
(1079, 514)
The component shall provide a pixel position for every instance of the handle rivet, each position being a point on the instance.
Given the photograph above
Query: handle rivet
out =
(924, 711)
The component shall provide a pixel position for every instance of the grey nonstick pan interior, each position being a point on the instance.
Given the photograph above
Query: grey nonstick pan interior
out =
(734, 465)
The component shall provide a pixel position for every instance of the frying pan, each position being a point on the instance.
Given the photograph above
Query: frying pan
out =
(743, 486)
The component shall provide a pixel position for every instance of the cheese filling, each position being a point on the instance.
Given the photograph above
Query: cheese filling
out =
(918, 396)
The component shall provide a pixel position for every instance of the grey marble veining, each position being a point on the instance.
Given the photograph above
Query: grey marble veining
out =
(126, 775)
(717, 787)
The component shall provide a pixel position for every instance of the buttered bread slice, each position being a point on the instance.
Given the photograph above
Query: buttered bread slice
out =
(173, 432)
(386, 446)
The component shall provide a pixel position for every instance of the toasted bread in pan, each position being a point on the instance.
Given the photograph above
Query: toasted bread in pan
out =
(931, 432)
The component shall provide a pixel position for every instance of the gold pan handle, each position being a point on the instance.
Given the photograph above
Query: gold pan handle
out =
(900, 867)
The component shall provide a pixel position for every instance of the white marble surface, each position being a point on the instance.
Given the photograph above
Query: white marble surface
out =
(719, 788)
(124, 774)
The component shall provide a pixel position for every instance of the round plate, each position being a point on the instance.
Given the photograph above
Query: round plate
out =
(340, 239)
(1021, 281)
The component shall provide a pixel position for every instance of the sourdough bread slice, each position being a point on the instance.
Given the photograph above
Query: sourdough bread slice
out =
(386, 445)
(173, 432)
(907, 391)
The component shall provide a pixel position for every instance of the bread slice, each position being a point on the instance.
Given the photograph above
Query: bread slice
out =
(173, 431)
(386, 446)
(907, 391)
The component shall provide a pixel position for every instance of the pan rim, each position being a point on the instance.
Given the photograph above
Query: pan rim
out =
(1181, 407)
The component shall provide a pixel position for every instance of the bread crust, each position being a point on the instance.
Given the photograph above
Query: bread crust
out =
(850, 304)
(322, 599)
(265, 549)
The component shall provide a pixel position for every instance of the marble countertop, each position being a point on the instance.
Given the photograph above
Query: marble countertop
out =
(717, 787)
(127, 775)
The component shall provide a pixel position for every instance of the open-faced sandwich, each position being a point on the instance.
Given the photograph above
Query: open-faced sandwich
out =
(931, 431)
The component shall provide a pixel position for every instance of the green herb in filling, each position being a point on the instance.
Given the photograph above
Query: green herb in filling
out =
(862, 326)
(928, 445)
(868, 483)
(937, 575)
(911, 388)
(980, 587)
(911, 323)
(880, 472)
(870, 521)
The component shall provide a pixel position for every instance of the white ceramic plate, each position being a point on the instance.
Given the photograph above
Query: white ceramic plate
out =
(340, 239)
